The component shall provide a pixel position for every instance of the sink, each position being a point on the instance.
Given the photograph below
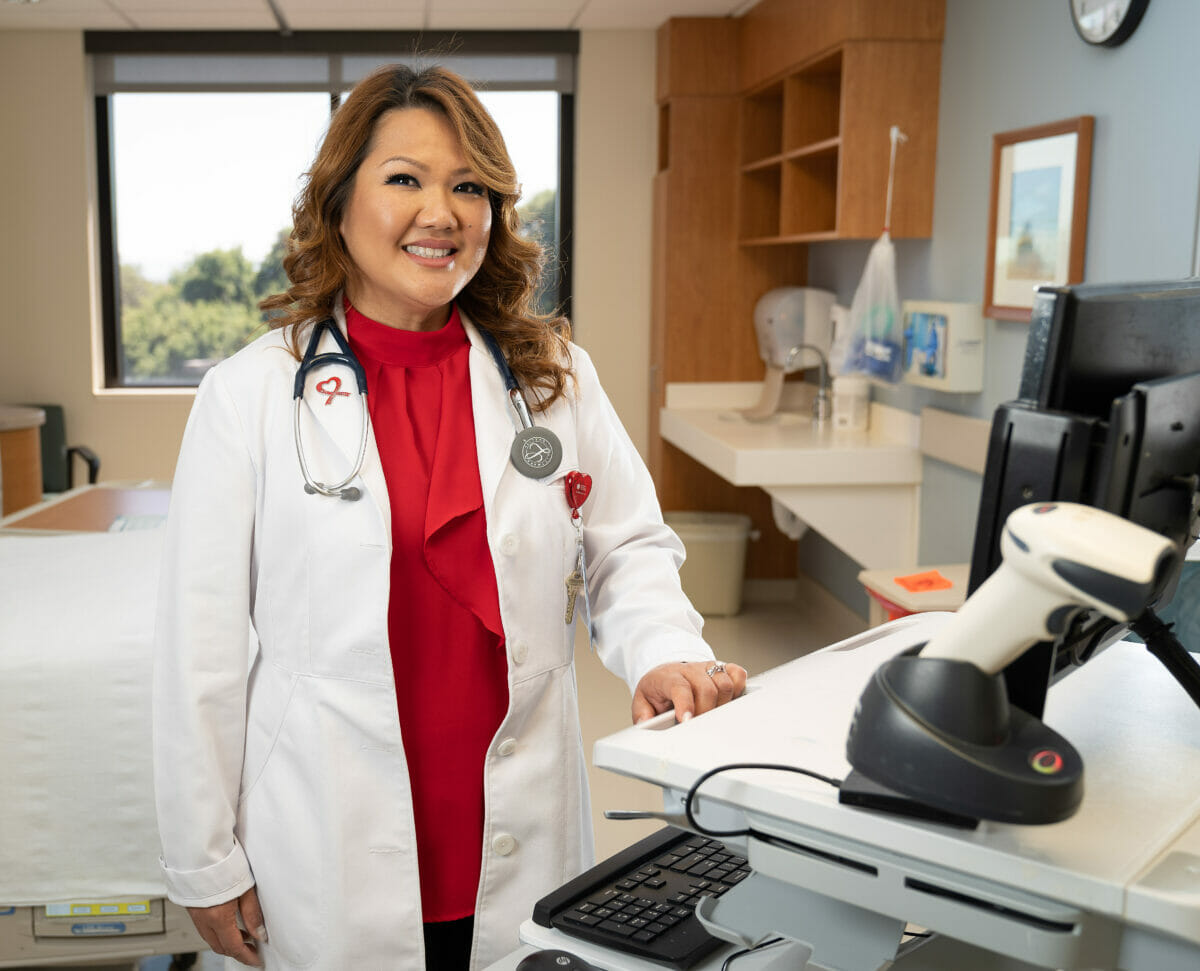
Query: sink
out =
(860, 489)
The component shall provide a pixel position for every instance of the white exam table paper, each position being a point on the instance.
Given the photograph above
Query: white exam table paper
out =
(76, 799)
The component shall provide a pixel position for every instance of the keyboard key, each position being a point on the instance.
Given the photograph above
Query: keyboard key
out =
(587, 920)
(687, 863)
(603, 899)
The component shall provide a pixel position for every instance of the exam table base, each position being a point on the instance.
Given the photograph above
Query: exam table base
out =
(21, 947)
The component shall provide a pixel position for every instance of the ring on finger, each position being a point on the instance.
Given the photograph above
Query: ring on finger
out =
(717, 668)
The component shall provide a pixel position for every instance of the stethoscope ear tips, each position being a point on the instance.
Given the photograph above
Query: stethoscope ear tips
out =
(309, 489)
(351, 494)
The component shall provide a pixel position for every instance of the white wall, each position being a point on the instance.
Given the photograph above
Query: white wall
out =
(48, 267)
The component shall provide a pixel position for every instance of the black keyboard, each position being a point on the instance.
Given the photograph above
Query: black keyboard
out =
(642, 900)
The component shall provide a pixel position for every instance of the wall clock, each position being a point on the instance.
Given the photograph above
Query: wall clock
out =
(1107, 23)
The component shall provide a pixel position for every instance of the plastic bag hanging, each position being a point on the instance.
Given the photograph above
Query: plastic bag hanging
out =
(870, 343)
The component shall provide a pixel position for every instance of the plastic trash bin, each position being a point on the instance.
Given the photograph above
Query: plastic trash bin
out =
(715, 567)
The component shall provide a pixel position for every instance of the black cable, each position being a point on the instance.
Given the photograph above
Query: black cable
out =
(728, 962)
(772, 766)
(1160, 641)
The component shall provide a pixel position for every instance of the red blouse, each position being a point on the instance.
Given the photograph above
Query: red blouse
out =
(444, 627)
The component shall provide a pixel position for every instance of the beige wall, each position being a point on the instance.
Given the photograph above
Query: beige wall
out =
(46, 263)
(48, 269)
(615, 152)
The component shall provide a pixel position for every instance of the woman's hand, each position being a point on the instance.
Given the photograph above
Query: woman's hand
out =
(691, 688)
(218, 925)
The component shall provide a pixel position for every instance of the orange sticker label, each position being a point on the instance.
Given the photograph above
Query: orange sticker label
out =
(923, 582)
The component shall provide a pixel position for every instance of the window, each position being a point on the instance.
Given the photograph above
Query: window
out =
(202, 153)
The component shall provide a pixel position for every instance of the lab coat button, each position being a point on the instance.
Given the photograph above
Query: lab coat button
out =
(504, 844)
(507, 747)
(520, 651)
(509, 544)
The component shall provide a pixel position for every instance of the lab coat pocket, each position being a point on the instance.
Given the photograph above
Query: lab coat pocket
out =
(533, 549)
(280, 827)
(346, 572)
(268, 698)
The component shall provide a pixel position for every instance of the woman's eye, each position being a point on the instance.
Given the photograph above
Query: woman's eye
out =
(400, 178)
(474, 188)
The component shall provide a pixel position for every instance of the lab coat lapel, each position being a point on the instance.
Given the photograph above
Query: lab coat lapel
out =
(336, 418)
(495, 420)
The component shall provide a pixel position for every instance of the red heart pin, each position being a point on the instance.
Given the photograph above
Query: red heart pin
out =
(578, 486)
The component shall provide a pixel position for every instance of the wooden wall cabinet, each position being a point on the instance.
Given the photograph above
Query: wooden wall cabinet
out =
(752, 169)
(815, 146)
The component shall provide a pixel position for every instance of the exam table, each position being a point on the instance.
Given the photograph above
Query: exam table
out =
(80, 881)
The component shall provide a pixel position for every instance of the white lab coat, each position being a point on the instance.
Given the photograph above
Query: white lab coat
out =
(281, 763)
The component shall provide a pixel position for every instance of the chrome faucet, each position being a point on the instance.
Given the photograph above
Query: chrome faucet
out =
(821, 405)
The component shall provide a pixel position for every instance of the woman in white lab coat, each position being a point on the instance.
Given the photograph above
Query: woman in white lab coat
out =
(367, 747)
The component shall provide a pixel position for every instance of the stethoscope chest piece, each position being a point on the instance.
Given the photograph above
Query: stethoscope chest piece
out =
(536, 452)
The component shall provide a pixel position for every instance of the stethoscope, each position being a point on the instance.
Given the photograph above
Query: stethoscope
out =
(536, 451)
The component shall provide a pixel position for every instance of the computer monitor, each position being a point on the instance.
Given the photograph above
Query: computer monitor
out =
(1108, 414)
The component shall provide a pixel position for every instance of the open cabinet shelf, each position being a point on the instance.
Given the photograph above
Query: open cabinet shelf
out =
(814, 146)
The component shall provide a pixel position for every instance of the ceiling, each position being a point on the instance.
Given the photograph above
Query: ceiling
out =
(356, 14)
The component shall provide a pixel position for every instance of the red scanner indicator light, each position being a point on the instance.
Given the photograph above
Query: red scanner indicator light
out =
(1046, 761)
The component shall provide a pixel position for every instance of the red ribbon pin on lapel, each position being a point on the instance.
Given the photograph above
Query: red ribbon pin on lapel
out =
(330, 387)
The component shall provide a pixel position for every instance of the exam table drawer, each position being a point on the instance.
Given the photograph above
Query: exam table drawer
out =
(98, 920)
(25, 938)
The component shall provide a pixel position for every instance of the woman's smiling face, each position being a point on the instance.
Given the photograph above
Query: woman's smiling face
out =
(417, 222)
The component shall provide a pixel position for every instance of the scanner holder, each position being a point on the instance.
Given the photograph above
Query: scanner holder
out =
(941, 732)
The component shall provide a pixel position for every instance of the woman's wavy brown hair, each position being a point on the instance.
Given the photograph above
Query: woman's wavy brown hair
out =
(499, 298)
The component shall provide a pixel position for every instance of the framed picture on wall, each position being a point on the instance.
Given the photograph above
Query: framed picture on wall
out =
(1037, 219)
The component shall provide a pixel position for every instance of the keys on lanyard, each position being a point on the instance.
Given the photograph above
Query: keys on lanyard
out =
(578, 485)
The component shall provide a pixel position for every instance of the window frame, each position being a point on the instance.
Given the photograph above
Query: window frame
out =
(433, 45)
